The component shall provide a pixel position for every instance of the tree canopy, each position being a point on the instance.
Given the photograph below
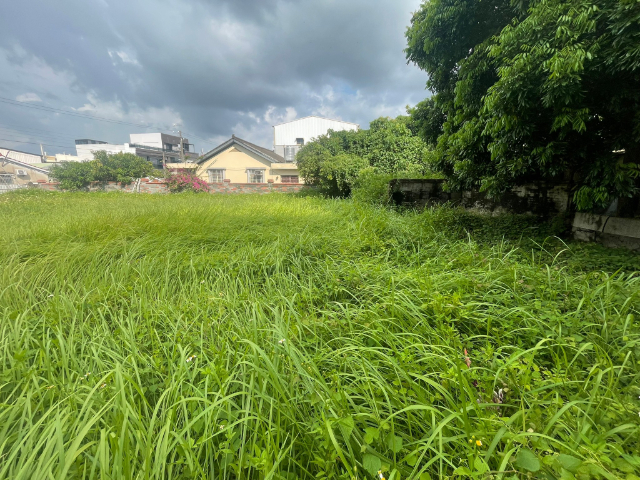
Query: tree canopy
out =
(333, 161)
(528, 91)
(119, 167)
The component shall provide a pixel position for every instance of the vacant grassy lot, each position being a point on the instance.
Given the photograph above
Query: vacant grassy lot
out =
(275, 337)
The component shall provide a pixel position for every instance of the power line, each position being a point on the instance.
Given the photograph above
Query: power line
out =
(36, 136)
(31, 130)
(34, 143)
(74, 114)
(91, 117)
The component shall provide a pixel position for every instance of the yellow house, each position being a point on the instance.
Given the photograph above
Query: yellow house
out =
(239, 161)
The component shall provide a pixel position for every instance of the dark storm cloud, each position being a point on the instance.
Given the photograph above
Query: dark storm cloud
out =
(215, 66)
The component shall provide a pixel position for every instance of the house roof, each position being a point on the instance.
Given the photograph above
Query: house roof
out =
(4, 159)
(19, 151)
(316, 116)
(268, 155)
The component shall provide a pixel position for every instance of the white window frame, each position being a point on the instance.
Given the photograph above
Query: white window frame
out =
(290, 152)
(252, 171)
(219, 170)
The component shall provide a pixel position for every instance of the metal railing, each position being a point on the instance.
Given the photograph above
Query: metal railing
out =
(158, 149)
(8, 187)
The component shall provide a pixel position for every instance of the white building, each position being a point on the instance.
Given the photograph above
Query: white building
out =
(150, 146)
(290, 136)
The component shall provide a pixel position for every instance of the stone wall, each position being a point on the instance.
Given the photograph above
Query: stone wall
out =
(535, 199)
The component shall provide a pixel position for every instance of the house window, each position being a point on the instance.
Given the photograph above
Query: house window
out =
(216, 175)
(6, 179)
(290, 179)
(300, 141)
(290, 153)
(255, 175)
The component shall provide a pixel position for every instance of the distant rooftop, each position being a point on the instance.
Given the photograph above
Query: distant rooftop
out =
(87, 141)
(316, 116)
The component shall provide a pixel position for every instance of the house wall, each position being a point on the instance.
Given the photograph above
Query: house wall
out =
(306, 128)
(32, 176)
(236, 160)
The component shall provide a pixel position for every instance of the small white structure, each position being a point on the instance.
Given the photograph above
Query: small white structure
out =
(290, 136)
(150, 146)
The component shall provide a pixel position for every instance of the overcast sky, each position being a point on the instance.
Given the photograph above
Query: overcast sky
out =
(214, 67)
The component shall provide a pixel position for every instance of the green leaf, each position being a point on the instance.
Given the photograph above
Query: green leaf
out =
(425, 476)
(527, 460)
(346, 426)
(480, 466)
(371, 463)
(411, 459)
(394, 443)
(569, 463)
(622, 465)
(371, 434)
(462, 472)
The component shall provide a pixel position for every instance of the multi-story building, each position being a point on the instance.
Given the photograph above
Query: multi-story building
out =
(289, 137)
(154, 147)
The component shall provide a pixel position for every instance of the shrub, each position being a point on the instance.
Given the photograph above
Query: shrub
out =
(186, 182)
(372, 186)
(119, 167)
(74, 175)
(333, 161)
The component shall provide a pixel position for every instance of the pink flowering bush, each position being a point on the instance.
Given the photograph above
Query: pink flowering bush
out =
(186, 182)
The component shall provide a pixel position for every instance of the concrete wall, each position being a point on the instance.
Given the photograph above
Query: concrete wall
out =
(536, 199)
(236, 160)
(606, 230)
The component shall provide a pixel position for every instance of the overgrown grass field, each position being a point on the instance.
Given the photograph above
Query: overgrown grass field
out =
(280, 337)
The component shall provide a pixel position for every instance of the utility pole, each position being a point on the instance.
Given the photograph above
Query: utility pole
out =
(181, 146)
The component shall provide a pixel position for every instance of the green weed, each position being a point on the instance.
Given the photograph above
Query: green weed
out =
(280, 337)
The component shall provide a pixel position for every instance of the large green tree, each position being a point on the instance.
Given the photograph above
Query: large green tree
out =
(548, 90)
(333, 161)
(118, 167)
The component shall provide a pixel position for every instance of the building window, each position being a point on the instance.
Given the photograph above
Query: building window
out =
(6, 179)
(255, 175)
(216, 175)
(300, 141)
(290, 179)
(290, 153)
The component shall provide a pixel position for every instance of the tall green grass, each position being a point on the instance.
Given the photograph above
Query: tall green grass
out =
(275, 337)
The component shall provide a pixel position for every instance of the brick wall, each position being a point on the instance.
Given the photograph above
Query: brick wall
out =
(150, 185)
(227, 187)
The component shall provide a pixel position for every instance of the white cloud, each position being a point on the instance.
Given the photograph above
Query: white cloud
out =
(124, 57)
(275, 116)
(28, 97)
